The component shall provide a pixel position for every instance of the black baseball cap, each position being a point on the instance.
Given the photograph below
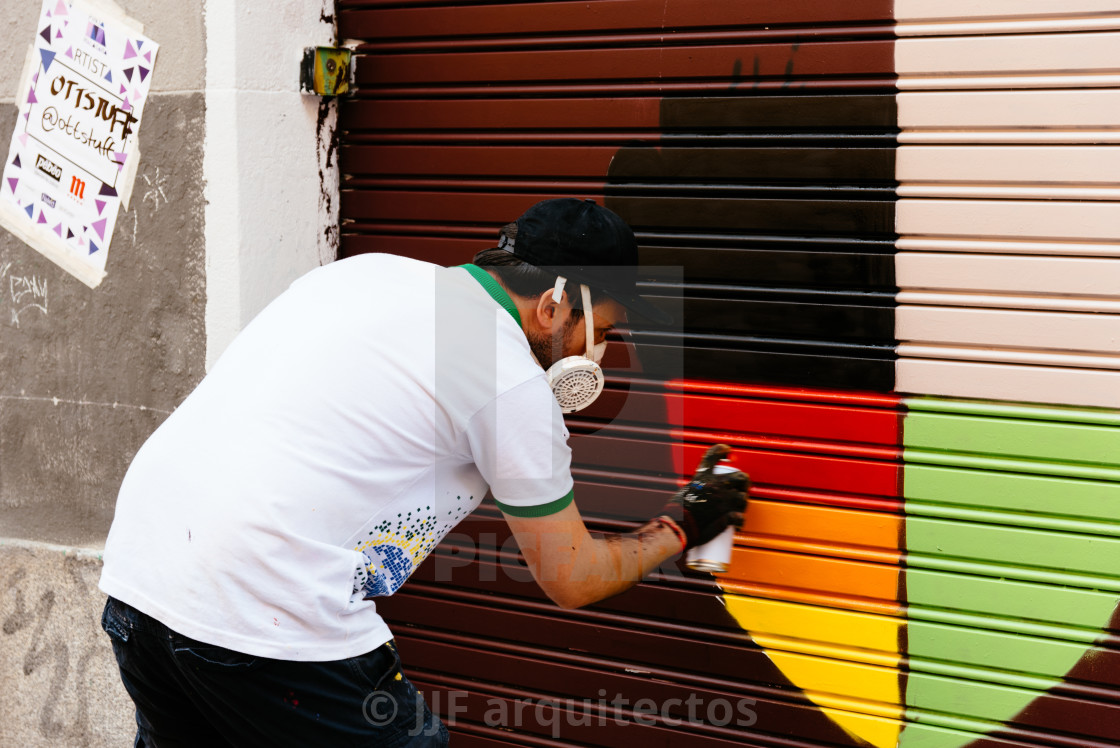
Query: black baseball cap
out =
(583, 241)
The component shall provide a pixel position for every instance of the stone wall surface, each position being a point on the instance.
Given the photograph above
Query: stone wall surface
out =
(59, 685)
(85, 376)
(235, 196)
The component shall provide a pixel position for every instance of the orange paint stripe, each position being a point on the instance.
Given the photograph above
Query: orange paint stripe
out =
(852, 552)
(814, 574)
(873, 530)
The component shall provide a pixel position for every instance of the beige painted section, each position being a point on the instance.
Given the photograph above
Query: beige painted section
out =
(1063, 386)
(996, 246)
(1098, 333)
(1009, 110)
(1063, 54)
(1009, 356)
(968, 17)
(1042, 165)
(1009, 209)
(1054, 303)
(1043, 275)
(1009, 218)
(909, 11)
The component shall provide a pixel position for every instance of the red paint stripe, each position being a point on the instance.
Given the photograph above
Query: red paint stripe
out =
(871, 399)
(839, 423)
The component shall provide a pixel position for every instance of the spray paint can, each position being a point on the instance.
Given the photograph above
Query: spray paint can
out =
(715, 555)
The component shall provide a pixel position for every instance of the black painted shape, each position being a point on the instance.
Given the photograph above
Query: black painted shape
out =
(804, 264)
(864, 218)
(832, 113)
(838, 369)
(783, 164)
(780, 212)
(807, 320)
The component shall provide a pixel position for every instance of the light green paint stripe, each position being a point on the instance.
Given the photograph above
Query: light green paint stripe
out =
(1014, 492)
(1001, 437)
(927, 695)
(1036, 551)
(1003, 571)
(977, 462)
(992, 623)
(995, 656)
(1012, 519)
(1101, 416)
(1009, 600)
(940, 731)
(989, 623)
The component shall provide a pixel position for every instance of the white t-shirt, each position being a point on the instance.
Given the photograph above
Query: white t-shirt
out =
(345, 431)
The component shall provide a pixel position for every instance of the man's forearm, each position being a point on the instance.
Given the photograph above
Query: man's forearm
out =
(579, 568)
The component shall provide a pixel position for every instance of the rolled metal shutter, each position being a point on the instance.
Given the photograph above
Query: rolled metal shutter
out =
(947, 580)
(752, 145)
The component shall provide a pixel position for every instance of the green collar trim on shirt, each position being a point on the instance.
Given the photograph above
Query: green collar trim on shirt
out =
(494, 289)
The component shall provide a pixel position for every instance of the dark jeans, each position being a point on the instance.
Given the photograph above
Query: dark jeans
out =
(192, 694)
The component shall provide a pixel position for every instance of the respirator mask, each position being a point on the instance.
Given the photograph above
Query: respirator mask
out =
(577, 381)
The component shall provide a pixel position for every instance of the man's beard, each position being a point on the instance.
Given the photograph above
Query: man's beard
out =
(548, 348)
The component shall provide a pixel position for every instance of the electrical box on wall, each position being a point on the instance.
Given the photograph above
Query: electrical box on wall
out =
(326, 71)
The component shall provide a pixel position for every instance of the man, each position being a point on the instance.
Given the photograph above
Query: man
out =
(347, 429)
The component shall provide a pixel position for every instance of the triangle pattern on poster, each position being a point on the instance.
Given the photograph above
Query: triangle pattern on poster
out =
(70, 52)
(46, 34)
(30, 209)
(58, 230)
(12, 182)
(31, 96)
(128, 73)
(107, 190)
(92, 247)
(129, 51)
(99, 227)
(69, 234)
(60, 9)
(58, 34)
(42, 218)
(143, 73)
(109, 76)
(23, 140)
(100, 206)
(48, 57)
(16, 162)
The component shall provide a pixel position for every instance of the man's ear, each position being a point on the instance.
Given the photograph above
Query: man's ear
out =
(547, 311)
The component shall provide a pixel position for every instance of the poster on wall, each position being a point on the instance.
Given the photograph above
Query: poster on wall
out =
(74, 150)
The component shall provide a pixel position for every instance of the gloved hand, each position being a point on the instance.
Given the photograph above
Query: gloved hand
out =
(711, 501)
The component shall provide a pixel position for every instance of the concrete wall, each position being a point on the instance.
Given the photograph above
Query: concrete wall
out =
(235, 197)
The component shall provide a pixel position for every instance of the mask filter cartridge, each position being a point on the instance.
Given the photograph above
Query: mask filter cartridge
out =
(577, 381)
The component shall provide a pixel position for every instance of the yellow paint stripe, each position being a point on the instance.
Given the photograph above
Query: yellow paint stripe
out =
(851, 693)
(845, 662)
(813, 624)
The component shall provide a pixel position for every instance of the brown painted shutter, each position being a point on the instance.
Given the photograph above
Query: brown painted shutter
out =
(751, 144)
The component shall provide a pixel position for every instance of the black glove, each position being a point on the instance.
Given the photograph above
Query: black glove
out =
(711, 501)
